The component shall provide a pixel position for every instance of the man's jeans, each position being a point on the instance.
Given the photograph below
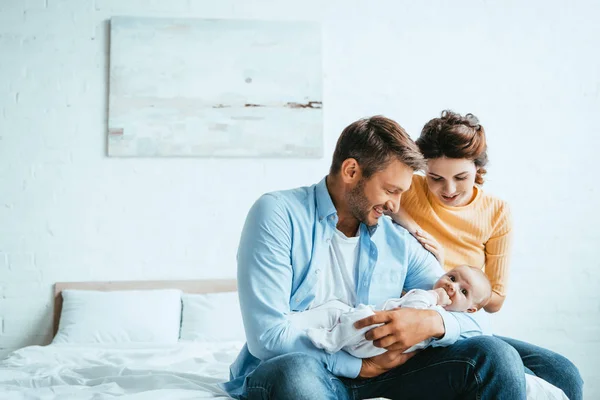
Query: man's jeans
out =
(482, 367)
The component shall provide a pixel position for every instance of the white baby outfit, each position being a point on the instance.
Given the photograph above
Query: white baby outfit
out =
(331, 325)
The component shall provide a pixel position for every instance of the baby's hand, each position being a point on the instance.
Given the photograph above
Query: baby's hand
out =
(443, 299)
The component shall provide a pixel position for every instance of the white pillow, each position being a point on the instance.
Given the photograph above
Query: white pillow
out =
(212, 317)
(124, 316)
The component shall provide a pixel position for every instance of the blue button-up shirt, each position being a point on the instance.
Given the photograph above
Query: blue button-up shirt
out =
(284, 243)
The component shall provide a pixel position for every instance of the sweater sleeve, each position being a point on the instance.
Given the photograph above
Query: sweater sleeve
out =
(497, 251)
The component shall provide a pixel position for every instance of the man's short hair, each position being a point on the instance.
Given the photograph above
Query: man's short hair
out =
(374, 142)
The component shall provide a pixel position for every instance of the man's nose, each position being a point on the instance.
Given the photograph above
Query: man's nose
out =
(393, 205)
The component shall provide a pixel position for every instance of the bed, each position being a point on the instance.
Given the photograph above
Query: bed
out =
(180, 369)
(185, 357)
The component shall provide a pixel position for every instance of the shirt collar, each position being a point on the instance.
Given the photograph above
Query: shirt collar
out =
(325, 206)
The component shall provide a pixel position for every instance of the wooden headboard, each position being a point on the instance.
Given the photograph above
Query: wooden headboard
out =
(191, 286)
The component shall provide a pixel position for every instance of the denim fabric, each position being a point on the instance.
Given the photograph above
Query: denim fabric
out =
(482, 367)
(550, 366)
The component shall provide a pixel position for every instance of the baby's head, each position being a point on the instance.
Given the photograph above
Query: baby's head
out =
(468, 288)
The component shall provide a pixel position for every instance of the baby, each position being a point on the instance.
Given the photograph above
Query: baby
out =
(331, 325)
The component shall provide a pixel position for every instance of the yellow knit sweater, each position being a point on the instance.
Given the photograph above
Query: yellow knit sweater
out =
(478, 234)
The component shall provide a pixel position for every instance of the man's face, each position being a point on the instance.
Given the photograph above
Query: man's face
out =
(369, 198)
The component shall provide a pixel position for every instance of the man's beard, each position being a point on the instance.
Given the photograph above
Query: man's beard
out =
(358, 204)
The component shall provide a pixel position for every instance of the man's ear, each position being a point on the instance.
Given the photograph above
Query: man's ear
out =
(350, 171)
(471, 310)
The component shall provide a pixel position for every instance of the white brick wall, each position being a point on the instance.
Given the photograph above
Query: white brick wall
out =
(529, 70)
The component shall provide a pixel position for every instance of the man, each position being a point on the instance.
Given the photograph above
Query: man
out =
(303, 247)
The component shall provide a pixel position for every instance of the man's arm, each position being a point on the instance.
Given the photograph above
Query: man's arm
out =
(265, 284)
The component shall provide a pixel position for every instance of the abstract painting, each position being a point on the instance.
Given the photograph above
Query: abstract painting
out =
(215, 88)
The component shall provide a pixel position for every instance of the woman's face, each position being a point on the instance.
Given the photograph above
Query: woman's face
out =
(451, 180)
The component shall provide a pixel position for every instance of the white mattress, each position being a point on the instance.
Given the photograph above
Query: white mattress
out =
(183, 371)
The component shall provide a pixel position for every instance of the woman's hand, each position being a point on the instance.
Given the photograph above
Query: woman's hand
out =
(432, 245)
(495, 303)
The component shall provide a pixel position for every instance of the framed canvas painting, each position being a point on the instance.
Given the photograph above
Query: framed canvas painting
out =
(215, 88)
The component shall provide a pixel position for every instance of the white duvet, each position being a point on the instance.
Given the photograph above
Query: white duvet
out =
(141, 372)
(182, 371)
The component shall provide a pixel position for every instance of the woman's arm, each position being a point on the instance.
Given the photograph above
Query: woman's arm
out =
(497, 251)
(403, 219)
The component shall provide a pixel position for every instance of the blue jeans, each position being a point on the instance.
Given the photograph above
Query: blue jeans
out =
(550, 366)
(482, 367)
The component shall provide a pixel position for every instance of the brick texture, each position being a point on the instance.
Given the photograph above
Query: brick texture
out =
(530, 71)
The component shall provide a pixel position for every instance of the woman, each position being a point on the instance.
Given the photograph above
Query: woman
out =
(452, 217)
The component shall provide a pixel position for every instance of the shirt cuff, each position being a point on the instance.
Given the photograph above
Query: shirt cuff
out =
(345, 365)
(452, 327)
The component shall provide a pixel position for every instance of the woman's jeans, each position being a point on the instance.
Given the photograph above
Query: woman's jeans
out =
(483, 367)
(550, 366)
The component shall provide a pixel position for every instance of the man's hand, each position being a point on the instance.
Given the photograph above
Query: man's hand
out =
(375, 366)
(403, 327)
(443, 298)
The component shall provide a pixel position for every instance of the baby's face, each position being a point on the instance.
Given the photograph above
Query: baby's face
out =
(463, 287)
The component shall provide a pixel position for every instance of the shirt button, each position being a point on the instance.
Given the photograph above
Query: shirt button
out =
(328, 240)
(365, 284)
(317, 271)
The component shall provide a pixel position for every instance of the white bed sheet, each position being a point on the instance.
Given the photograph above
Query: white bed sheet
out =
(141, 372)
(62, 371)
